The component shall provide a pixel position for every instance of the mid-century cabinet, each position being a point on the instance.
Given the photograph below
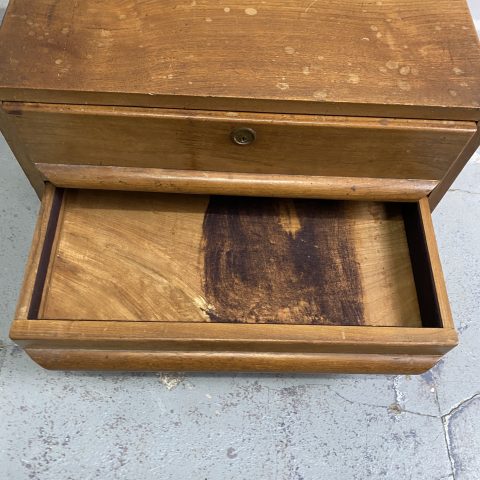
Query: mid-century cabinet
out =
(238, 186)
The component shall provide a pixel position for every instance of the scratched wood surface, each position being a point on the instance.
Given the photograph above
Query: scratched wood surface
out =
(179, 258)
(406, 57)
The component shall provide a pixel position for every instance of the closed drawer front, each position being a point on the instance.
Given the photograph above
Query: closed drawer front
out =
(201, 140)
(128, 280)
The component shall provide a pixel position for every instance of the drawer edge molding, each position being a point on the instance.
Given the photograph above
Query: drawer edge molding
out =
(221, 104)
(78, 359)
(193, 336)
(19, 109)
(226, 183)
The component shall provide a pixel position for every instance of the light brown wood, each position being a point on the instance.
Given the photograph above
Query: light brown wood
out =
(201, 140)
(55, 359)
(381, 251)
(441, 189)
(159, 244)
(122, 256)
(225, 183)
(395, 58)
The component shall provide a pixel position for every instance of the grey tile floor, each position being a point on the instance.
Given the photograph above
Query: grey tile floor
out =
(78, 426)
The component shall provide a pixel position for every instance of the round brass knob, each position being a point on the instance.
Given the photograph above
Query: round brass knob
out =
(243, 136)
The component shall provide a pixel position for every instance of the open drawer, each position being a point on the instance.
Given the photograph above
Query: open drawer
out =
(155, 281)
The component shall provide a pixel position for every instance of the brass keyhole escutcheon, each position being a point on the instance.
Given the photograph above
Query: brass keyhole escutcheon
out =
(243, 136)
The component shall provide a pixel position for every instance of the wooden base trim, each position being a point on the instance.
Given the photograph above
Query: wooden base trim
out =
(225, 183)
(78, 359)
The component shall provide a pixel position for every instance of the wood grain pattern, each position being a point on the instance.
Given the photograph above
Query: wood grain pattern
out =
(379, 236)
(200, 140)
(165, 249)
(394, 58)
(123, 256)
(281, 261)
(225, 183)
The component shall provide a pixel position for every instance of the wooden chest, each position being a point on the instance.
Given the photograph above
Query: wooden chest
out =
(242, 186)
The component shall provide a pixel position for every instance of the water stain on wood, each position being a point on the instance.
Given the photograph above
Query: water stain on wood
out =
(280, 261)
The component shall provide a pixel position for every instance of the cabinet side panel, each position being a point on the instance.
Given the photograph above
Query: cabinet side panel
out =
(441, 189)
(8, 130)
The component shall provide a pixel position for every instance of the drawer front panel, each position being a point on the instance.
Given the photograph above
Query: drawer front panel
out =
(202, 141)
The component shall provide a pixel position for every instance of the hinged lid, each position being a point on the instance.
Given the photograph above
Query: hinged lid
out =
(399, 58)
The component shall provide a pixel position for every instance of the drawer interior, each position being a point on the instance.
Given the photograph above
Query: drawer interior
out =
(133, 256)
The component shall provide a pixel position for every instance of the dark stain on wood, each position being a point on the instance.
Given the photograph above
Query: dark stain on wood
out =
(280, 261)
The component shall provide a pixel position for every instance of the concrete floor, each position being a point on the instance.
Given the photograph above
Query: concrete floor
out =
(76, 426)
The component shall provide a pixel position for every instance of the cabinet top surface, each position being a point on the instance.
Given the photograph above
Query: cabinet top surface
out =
(390, 57)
